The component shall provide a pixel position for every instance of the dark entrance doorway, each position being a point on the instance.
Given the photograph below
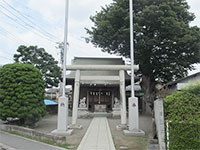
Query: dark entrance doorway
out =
(100, 100)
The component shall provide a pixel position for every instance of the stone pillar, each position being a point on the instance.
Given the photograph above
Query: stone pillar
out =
(62, 122)
(133, 113)
(76, 97)
(123, 97)
(160, 123)
(62, 114)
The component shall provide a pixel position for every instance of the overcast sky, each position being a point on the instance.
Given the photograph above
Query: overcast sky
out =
(41, 22)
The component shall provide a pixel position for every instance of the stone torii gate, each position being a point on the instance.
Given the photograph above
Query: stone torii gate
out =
(120, 79)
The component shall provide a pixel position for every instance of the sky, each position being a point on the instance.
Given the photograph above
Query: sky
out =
(41, 23)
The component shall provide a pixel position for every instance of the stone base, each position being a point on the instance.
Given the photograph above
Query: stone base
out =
(62, 132)
(134, 132)
(83, 113)
(121, 127)
(116, 113)
(75, 126)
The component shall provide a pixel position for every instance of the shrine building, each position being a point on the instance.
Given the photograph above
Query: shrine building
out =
(99, 84)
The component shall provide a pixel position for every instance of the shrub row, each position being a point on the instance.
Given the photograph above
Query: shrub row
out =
(182, 119)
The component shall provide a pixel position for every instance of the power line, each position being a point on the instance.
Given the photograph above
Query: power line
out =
(30, 26)
(25, 26)
(6, 58)
(27, 18)
(12, 35)
(22, 3)
(8, 53)
(34, 19)
(11, 38)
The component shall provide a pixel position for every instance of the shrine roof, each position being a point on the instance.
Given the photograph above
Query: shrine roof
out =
(98, 61)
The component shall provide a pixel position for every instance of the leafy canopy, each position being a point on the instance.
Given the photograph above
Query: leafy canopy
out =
(165, 45)
(22, 93)
(40, 59)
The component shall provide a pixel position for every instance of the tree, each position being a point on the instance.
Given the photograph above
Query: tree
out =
(22, 93)
(43, 61)
(166, 47)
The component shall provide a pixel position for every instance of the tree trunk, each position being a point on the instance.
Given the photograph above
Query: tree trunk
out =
(148, 87)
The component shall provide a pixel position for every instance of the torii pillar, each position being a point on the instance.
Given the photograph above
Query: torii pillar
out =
(122, 97)
(76, 97)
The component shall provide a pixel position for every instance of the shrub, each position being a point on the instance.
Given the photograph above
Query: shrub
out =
(183, 122)
(22, 93)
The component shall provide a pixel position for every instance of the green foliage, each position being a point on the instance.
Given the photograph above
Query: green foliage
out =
(165, 45)
(182, 112)
(184, 136)
(40, 59)
(22, 93)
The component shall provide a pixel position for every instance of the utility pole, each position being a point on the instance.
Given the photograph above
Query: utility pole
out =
(62, 121)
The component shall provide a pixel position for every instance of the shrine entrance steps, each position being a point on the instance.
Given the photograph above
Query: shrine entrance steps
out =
(98, 136)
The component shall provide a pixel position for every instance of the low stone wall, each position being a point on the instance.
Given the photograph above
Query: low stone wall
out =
(35, 134)
(5, 147)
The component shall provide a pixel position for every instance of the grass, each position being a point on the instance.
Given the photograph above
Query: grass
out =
(142, 140)
(133, 143)
(39, 140)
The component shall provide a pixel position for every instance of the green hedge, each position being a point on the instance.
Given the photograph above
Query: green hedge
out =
(22, 93)
(182, 112)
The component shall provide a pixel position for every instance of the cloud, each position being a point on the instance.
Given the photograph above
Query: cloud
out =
(50, 15)
(197, 69)
(51, 10)
(194, 8)
(194, 4)
(79, 11)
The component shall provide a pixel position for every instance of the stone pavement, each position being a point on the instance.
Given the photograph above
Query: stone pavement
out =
(98, 136)
(49, 123)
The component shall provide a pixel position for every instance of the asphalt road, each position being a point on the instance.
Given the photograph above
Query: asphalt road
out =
(20, 143)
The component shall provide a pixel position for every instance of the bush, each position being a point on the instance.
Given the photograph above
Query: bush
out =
(21, 94)
(182, 115)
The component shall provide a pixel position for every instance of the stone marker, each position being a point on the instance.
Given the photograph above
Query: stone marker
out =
(160, 126)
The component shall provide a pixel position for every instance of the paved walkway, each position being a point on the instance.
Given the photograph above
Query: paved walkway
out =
(98, 136)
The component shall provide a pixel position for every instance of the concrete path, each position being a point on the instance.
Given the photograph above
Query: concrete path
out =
(20, 143)
(98, 136)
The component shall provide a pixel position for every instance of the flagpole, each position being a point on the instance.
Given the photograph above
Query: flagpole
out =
(132, 47)
(133, 117)
(62, 121)
(65, 46)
